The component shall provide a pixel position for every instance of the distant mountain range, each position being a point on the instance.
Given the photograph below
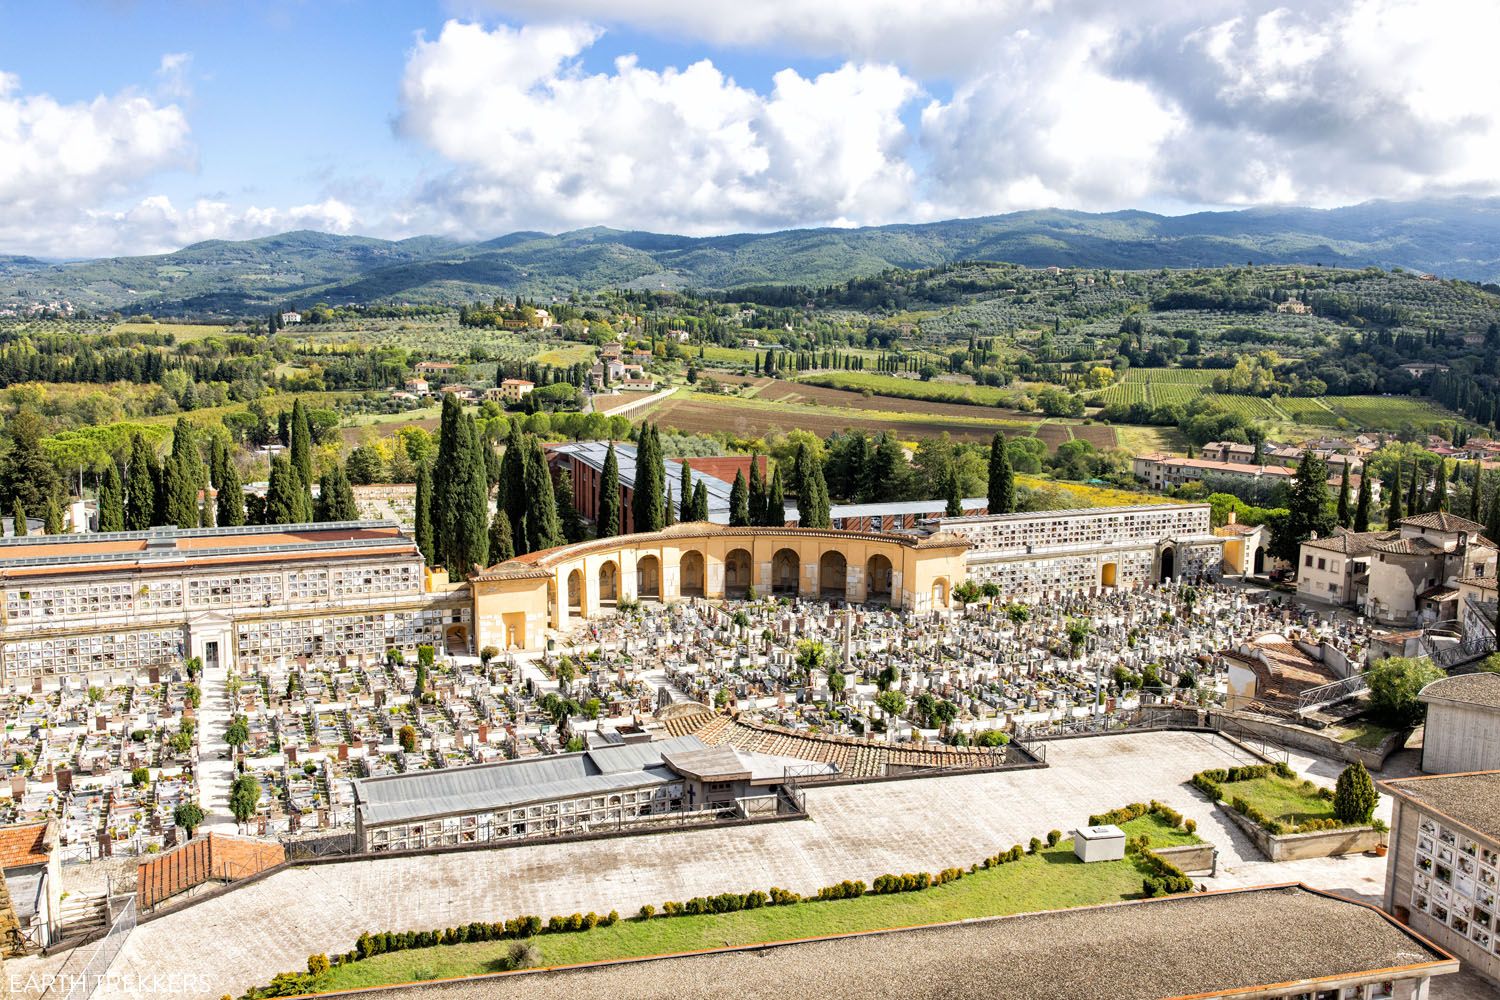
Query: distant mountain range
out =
(1457, 238)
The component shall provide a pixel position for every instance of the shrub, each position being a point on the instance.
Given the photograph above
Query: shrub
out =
(317, 965)
(1354, 797)
(647, 912)
(1034, 846)
(1053, 837)
(522, 954)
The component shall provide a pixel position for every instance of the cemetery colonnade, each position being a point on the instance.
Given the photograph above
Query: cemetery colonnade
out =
(514, 606)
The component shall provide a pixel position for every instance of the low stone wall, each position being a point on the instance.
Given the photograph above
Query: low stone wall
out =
(1301, 846)
(1307, 739)
(1193, 859)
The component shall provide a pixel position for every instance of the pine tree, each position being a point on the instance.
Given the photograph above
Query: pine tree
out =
(739, 501)
(685, 493)
(543, 529)
(756, 502)
(1308, 509)
(646, 507)
(423, 515)
(609, 497)
(52, 522)
(18, 519)
(230, 510)
(111, 499)
(775, 512)
(1343, 513)
(700, 501)
(140, 488)
(1362, 505)
(1394, 512)
(301, 442)
(567, 509)
(502, 547)
(1002, 493)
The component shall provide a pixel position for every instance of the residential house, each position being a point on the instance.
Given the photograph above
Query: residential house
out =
(1335, 570)
(1414, 578)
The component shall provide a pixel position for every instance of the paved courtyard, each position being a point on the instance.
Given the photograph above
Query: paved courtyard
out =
(856, 831)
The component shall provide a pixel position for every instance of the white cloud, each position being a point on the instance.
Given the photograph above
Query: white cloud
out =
(539, 142)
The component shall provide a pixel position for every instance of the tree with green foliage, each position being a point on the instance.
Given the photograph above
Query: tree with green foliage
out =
(812, 656)
(448, 472)
(1439, 499)
(512, 488)
(887, 473)
(336, 497)
(775, 512)
(567, 508)
(543, 529)
(422, 515)
(1492, 520)
(229, 506)
(668, 510)
(700, 501)
(140, 486)
(26, 472)
(470, 539)
(502, 546)
(953, 494)
(111, 499)
(286, 498)
(1002, 480)
(52, 520)
(1354, 795)
(1343, 514)
(18, 524)
(1394, 511)
(608, 507)
(1475, 511)
(756, 501)
(647, 503)
(1362, 505)
(892, 703)
(1308, 509)
(685, 492)
(1394, 684)
(812, 490)
(301, 442)
(244, 797)
(188, 815)
(739, 501)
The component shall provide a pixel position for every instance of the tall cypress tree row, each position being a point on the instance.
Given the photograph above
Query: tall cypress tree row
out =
(471, 547)
(111, 499)
(608, 507)
(757, 498)
(336, 497)
(774, 515)
(423, 515)
(286, 496)
(567, 508)
(1002, 492)
(1362, 505)
(812, 490)
(140, 486)
(650, 487)
(543, 529)
(739, 501)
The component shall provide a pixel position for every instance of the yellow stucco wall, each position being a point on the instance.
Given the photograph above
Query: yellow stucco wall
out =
(515, 602)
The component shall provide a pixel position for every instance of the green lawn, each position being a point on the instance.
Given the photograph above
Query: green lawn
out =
(1361, 733)
(1291, 801)
(1053, 879)
(567, 354)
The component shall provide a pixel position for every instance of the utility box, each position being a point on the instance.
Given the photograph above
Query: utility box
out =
(1099, 843)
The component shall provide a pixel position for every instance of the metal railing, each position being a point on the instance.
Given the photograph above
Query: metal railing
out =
(1250, 738)
(1330, 694)
(85, 982)
(1448, 657)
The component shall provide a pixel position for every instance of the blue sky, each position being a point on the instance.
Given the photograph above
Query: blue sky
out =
(137, 127)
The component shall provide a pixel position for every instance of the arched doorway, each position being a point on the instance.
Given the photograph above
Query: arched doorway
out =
(692, 574)
(1260, 561)
(786, 569)
(878, 576)
(456, 640)
(1168, 564)
(940, 592)
(737, 573)
(648, 578)
(575, 592)
(609, 583)
(833, 575)
(1107, 574)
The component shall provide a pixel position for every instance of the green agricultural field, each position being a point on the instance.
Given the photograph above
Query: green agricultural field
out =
(1172, 376)
(184, 332)
(1308, 412)
(567, 354)
(1051, 879)
(910, 388)
(1389, 412)
(726, 355)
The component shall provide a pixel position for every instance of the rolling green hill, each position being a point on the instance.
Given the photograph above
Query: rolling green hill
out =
(1457, 238)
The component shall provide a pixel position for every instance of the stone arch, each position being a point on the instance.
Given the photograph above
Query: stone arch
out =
(693, 570)
(833, 574)
(577, 600)
(1258, 563)
(879, 575)
(1109, 574)
(609, 583)
(739, 573)
(456, 640)
(940, 592)
(1167, 564)
(648, 577)
(786, 572)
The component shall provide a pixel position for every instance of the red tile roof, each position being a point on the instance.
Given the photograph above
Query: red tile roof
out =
(23, 845)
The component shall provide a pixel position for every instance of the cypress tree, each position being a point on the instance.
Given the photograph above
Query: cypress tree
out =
(739, 501)
(111, 499)
(668, 511)
(181, 479)
(423, 515)
(609, 497)
(775, 512)
(685, 493)
(513, 483)
(471, 542)
(543, 529)
(567, 510)
(140, 496)
(756, 502)
(1002, 492)
(1362, 505)
(1415, 488)
(646, 506)
(1308, 509)
(447, 473)
(1343, 513)
(812, 490)
(230, 511)
(52, 522)
(1476, 500)
(286, 497)
(27, 470)
(502, 547)
(953, 494)
(301, 442)
(18, 519)
(700, 501)
(336, 497)
(1439, 500)
(1394, 512)
(1492, 523)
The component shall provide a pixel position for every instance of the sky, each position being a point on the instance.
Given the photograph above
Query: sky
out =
(129, 126)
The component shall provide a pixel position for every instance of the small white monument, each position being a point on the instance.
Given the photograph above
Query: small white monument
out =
(1099, 843)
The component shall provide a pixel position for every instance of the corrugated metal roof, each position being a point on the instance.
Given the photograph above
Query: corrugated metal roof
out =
(593, 453)
(483, 787)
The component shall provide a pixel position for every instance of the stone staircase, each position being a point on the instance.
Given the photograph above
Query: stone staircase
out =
(83, 916)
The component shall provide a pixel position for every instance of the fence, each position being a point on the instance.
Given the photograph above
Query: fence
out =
(1330, 694)
(85, 982)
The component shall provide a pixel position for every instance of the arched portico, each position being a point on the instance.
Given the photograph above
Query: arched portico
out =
(609, 583)
(648, 578)
(693, 574)
(878, 578)
(833, 575)
(786, 572)
(739, 573)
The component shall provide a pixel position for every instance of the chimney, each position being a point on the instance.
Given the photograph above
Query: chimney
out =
(1233, 518)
